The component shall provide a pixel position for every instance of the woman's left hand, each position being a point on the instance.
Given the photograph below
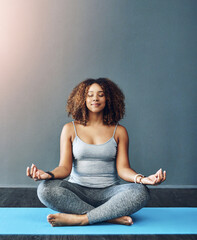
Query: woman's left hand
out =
(155, 179)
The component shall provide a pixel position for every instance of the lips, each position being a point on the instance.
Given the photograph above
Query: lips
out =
(95, 104)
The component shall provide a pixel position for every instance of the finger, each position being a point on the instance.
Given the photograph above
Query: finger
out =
(156, 179)
(164, 176)
(28, 172)
(32, 168)
(35, 167)
(38, 175)
(34, 172)
(156, 175)
(160, 175)
(159, 172)
(30, 175)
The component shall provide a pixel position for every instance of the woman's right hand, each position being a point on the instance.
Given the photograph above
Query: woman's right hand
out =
(37, 174)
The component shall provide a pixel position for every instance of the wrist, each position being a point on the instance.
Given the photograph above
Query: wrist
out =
(138, 178)
(51, 175)
(141, 180)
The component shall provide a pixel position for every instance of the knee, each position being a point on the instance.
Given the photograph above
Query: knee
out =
(139, 192)
(46, 189)
(143, 193)
(43, 190)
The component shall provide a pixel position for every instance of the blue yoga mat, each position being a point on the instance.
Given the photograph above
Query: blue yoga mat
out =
(32, 221)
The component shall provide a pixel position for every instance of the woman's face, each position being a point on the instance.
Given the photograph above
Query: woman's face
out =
(95, 100)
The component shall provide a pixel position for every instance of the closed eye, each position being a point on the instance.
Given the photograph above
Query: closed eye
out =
(100, 95)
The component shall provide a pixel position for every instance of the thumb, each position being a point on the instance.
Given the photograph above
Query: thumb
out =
(44, 176)
(148, 180)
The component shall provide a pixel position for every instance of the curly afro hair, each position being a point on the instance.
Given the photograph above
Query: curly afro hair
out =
(114, 109)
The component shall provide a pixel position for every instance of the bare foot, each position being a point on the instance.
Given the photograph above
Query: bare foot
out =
(125, 220)
(64, 219)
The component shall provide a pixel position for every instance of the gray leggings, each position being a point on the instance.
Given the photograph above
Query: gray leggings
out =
(100, 204)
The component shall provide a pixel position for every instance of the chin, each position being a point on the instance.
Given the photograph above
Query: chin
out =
(96, 110)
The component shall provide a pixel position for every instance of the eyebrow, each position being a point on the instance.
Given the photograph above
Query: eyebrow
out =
(93, 91)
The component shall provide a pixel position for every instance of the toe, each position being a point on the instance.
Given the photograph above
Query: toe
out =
(50, 217)
(54, 224)
(129, 221)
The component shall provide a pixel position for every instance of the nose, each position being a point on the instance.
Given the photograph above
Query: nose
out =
(95, 98)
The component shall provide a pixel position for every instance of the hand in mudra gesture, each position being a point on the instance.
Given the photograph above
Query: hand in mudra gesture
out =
(37, 174)
(155, 179)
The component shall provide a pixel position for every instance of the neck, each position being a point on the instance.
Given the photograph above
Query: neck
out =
(95, 119)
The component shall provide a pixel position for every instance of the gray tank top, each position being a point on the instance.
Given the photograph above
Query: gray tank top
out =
(94, 165)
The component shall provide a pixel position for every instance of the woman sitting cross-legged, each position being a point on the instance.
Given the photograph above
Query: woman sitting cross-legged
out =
(94, 154)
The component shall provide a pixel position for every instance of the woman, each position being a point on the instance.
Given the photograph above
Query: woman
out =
(93, 153)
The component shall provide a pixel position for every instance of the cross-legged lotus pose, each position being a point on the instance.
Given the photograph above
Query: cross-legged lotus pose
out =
(94, 154)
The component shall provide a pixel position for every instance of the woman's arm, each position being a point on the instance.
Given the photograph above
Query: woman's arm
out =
(122, 163)
(65, 164)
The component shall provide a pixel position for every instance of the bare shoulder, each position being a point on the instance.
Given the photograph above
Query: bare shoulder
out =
(67, 130)
(122, 132)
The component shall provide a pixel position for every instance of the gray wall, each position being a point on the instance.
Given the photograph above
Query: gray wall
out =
(147, 47)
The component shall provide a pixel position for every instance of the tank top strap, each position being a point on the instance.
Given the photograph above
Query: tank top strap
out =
(74, 128)
(115, 129)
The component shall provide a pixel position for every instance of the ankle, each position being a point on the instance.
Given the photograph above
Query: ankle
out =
(84, 219)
